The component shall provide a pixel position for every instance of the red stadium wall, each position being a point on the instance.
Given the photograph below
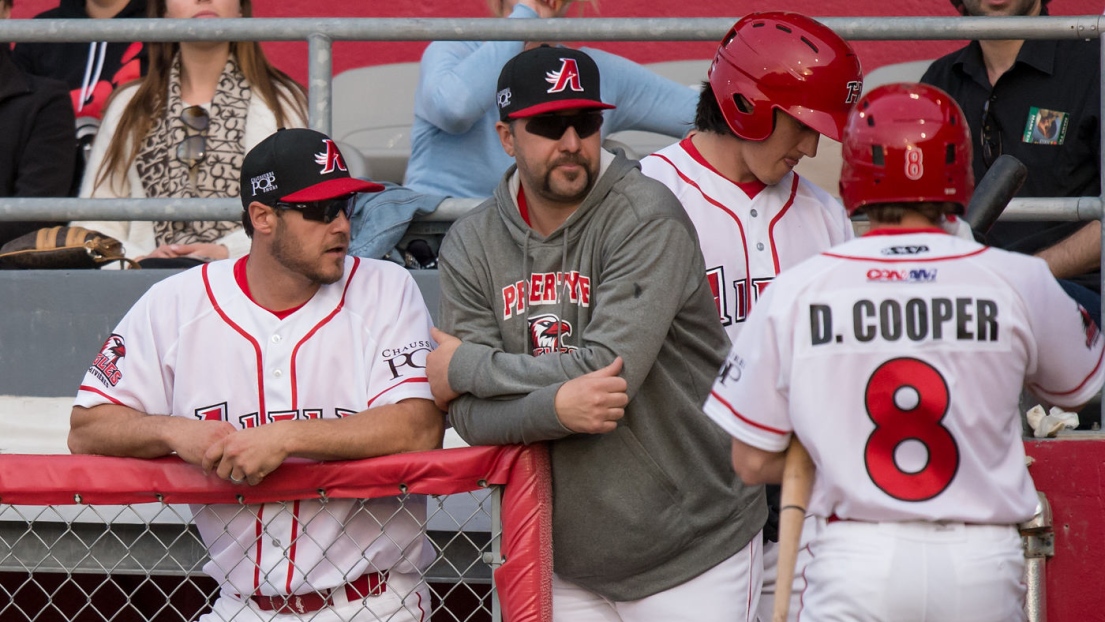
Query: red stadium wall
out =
(1071, 472)
(292, 57)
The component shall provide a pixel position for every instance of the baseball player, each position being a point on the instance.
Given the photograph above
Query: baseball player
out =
(778, 82)
(296, 350)
(898, 360)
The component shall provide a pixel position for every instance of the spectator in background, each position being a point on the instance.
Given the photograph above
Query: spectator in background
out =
(182, 132)
(36, 122)
(454, 147)
(768, 99)
(91, 70)
(1038, 101)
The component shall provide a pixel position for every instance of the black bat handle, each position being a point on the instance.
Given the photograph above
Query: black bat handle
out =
(994, 191)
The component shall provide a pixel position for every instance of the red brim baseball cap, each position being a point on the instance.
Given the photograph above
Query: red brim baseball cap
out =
(297, 165)
(332, 188)
(548, 79)
(563, 104)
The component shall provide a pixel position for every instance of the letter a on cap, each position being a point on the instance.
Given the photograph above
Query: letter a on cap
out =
(567, 77)
(331, 158)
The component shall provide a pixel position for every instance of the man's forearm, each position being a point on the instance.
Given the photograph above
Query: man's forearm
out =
(1077, 254)
(115, 430)
(527, 419)
(411, 425)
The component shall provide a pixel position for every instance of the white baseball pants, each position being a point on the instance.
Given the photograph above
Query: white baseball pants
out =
(915, 572)
(728, 592)
(406, 599)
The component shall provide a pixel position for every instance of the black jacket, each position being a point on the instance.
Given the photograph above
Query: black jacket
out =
(70, 61)
(91, 71)
(38, 152)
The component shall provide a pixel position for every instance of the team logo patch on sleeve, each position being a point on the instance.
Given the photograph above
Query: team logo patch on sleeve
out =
(731, 371)
(106, 365)
(407, 359)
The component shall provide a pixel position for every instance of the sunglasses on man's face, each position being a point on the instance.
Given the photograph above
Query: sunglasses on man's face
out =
(553, 126)
(324, 211)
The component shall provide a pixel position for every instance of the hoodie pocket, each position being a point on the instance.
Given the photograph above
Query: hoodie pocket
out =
(615, 511)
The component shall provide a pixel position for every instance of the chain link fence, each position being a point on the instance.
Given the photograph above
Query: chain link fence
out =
(243, 555)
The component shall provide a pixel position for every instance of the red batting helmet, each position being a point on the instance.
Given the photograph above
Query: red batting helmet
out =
(789, 62)
(906, 143)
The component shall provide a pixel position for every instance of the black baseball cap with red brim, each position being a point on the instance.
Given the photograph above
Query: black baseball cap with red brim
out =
(297, 166)
(548, 79)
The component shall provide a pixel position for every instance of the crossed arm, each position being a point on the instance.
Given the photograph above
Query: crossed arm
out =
(498, 396)
(252, 453)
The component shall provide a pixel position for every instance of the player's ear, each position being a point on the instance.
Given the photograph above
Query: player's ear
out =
(263, 217)
(506, 137)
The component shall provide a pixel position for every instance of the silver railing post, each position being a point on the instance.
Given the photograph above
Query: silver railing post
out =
(1038, 539)
(320, 73)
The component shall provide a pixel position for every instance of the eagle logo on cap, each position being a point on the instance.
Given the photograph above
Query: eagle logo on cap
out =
(566, 78)
(330, 159)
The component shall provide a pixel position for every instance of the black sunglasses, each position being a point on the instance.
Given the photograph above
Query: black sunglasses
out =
(990, 137)
(553, 126)
(193, 149)
(324, 211)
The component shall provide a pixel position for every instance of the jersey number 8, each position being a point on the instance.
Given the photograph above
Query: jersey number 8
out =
(907, 399)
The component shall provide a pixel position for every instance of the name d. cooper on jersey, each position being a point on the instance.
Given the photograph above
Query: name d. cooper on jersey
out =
(543, 288)
(918, 319)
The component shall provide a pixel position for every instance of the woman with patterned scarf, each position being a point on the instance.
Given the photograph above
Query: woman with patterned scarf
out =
(181, 132)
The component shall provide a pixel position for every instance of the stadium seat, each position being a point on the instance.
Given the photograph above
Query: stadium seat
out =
(373, 108)
(640, 144)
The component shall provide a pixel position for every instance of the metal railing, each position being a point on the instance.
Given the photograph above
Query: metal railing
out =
(99, 538)
(320, 33)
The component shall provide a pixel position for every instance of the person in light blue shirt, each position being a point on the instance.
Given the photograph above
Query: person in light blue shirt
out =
(454, 148)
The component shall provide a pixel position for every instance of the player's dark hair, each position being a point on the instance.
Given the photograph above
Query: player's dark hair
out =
(892, 213)
(708, 117)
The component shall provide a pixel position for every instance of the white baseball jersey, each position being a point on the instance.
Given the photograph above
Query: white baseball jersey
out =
(196, 346)
(748, 232)
(898, 359)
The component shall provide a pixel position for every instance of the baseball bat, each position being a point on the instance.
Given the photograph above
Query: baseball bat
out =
(798, 475)
(993, 192)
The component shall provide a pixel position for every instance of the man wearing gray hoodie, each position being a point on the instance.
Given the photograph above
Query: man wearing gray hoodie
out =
(582, 316)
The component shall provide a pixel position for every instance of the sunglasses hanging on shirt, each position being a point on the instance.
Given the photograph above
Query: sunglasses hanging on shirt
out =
(990, 137)
(193, 149)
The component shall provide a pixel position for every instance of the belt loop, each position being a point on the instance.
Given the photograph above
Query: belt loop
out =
(367, 585)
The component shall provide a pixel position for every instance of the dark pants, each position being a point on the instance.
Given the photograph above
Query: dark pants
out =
(1089, 299)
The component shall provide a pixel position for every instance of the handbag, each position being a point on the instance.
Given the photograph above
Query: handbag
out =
(62, 248)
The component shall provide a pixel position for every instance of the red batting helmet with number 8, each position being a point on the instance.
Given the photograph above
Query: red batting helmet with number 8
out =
(789, 62)
(906, 143)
